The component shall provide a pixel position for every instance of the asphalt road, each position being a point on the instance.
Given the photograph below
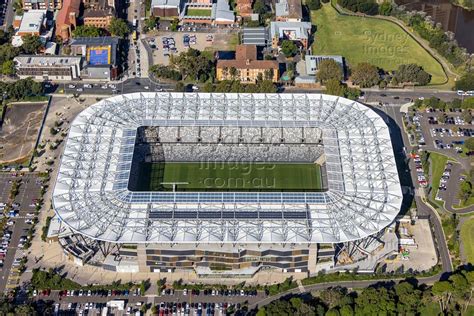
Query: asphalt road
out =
(400, 137)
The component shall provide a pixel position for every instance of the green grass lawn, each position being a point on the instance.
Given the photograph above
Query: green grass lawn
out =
(437, 162)
(198, 12)
(467, 239)
(378, 42)
(222, 176)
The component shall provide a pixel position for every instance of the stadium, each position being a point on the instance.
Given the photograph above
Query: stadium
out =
(225, 183)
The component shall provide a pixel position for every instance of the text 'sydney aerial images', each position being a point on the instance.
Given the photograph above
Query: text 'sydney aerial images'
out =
(237, 157)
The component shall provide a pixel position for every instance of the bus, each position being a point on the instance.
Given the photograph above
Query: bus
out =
(134, 35)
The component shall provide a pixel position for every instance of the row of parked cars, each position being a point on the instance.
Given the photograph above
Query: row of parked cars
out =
(445, 177)
(212, 292)
(419, 170)
(134, 292)
(196, 308)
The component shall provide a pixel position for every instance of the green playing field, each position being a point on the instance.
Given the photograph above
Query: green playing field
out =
(230, 176)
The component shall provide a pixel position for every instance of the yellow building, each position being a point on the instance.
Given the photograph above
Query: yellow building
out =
(246, 68)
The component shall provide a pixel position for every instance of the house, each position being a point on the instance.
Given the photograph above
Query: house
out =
(244, 8)
(294, 31)
(246, 67)
(100, 56)
(166, 8)
(66, 20)
(288, 11)
(52, 5)
(48, 67)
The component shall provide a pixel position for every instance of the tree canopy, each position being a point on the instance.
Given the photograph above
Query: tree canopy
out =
(365, 75)
(31, 44)
(118, 27)
(329, 69)
(289, 48)
(87, 31)
(412, 73)
(466, 82)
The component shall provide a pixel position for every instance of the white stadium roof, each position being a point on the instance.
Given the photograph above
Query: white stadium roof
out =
(91, 195)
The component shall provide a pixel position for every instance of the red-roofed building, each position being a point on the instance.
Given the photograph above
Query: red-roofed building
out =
(66, 20)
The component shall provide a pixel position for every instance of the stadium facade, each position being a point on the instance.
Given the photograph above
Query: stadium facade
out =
(226, 233)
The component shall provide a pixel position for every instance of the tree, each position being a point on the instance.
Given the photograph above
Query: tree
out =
(467, 116)
(87, 31)
(329, 69)
(180, 87)
(233, 72)
(259, 7)
(365, 75)
(313, 4)
(469, 144)
(466, 82)
(288, 48)
(442, 292)
(152, 22)
(385, 8)
(412, 73)
(118, 27)
(334, 87)
(8, 68)
(31, 44)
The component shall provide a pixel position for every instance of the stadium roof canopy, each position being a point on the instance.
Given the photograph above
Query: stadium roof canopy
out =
(91, 195)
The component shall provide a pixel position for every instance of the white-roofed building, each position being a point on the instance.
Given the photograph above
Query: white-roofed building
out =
(93, 196)
(293, 31)
(32, 23)
(48, 67)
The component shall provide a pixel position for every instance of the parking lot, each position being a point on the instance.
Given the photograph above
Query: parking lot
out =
(3, 10)
(21, 214)
(169, 43)
(444, 132)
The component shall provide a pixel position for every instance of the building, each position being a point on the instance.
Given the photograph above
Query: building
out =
(100, 55)
(298, 32)
(206, 12)
(233, 234)
(41, 5)
(32, 23)
(66, 20)
(100, 18)
(247, 67)
(48, 67)
(166, 8)
(312, 63)
(244, 8)
(289, 11)
(99, 4)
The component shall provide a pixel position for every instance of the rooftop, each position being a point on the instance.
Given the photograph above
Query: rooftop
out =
(290, 9)
(166, 3)
(91, 194)
(292, 30)
(246, 58)
(38, 60)
(32, 21)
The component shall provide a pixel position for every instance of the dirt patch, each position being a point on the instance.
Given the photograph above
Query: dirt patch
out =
(20, 130)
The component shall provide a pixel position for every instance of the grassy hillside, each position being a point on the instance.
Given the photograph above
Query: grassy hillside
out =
(378, 42)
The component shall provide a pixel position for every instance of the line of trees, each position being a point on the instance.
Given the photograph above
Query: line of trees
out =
(447, 297)
(21, 89)
(118, 27)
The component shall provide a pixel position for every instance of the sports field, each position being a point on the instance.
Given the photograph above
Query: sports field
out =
(229, 176)
(467, 239)
(198, 12)
(378, 42)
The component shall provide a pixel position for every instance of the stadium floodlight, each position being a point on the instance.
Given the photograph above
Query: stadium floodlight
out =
(92, 196)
